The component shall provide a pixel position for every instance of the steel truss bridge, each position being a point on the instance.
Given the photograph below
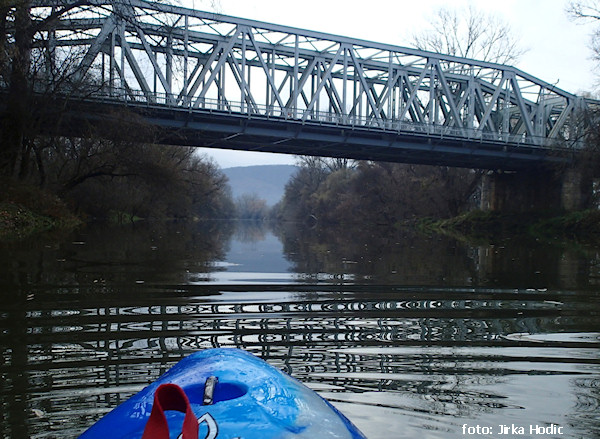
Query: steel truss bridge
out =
(224, 82)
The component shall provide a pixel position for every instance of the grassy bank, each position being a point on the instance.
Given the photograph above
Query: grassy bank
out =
(26, 210)
(490, 226)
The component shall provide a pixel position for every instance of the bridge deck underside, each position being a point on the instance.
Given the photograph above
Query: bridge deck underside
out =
(223, 130)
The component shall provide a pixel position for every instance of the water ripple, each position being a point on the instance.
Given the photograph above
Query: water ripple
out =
(426, 358)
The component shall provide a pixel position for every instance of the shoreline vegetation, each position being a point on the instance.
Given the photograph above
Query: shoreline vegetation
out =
(26, 211)
(122, 167)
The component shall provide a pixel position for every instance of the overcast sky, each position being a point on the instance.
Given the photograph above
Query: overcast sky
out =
(557, 48)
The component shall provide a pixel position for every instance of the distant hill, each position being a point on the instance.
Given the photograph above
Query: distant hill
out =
(266, 181)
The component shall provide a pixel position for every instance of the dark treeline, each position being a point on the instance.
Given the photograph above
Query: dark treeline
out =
(110, 168)
(109, 172)
(341, 191)
(116, 171)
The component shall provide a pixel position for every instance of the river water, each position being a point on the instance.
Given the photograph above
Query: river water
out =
(409, 335)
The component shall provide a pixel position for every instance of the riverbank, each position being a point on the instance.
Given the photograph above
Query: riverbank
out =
(26, 210)
(580, 226)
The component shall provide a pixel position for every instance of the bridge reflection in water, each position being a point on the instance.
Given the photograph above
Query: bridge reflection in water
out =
(428, 356)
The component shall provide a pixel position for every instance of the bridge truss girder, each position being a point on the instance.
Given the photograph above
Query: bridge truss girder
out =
(161, 55)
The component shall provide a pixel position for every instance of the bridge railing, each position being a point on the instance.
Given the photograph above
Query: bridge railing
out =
(311, 116)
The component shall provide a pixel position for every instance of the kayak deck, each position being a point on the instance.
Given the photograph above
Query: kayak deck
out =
(233, 394)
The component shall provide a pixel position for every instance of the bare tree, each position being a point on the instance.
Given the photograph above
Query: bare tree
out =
(584, 9)
(29, 61)
(325, 164)
(470, 33)
(104, 165)
(23, 38)
(588, 11)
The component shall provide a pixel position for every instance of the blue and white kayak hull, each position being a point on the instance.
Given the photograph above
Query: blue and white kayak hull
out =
(250, 400)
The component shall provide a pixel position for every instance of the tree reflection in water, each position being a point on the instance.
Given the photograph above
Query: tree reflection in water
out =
(409, 335)
(409, 257)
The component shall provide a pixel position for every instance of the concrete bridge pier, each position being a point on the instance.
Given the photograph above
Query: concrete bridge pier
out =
(535, 190)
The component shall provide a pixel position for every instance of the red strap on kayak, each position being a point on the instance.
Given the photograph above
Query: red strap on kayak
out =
(170, 397)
